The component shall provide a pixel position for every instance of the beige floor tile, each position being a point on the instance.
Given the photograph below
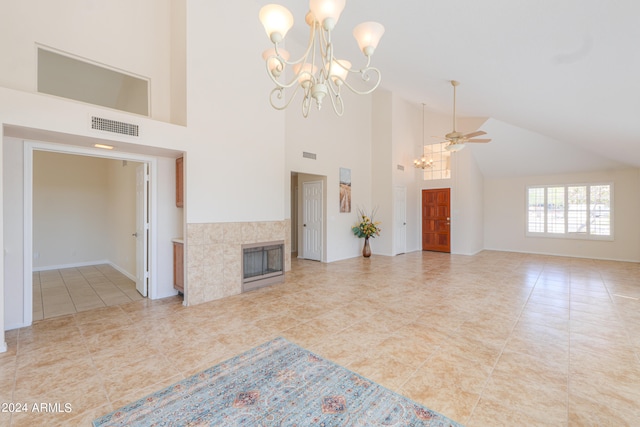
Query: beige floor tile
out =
(490, 413)
(492, 339)
(66, 291)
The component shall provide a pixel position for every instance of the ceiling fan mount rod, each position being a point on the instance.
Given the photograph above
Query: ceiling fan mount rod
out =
(454, 83)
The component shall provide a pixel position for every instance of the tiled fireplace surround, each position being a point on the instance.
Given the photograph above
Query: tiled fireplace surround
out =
(214, 255)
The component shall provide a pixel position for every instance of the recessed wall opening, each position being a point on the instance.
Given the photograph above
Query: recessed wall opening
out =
(78, 79)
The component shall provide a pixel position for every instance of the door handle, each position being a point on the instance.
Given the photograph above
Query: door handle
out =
(304, 225)
(135, 234)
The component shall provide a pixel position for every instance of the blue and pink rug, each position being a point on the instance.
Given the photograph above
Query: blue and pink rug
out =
(275, 384)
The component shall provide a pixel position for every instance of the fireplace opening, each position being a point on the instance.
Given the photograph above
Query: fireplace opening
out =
(262, 265)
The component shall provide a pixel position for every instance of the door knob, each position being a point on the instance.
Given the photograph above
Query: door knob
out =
(135, 234)
(304, 225)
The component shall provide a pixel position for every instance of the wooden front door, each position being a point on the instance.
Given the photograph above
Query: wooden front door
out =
(436, 220)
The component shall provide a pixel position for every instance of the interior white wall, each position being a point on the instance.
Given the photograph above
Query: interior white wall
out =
(505, 216)
(236, 158)
(337, 142)
(169, 225)
(13, 230)
(70, 210)
(407, 145)
(137, 41)
(382, 123)
(178, 49)
(84, 211)
(3, 343)
(467, 206)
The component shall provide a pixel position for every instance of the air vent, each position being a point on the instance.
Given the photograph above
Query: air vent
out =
(114, 126)
(309, 155)
(400, 167)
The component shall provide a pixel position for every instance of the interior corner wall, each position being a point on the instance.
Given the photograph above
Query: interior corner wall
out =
(505, 216)
(467, 204)
(70, 210)
(406, 146)
(382, 124)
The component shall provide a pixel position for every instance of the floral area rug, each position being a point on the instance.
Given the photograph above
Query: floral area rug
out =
(275, 384)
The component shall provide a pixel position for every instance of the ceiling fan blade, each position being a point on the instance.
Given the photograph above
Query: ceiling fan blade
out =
(478, 140)
(476, 133)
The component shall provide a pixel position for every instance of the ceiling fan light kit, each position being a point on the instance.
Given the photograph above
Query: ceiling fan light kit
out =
(457, 140)
(317, 73)
(455, 147)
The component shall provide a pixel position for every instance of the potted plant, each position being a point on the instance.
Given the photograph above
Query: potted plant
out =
(367, 228)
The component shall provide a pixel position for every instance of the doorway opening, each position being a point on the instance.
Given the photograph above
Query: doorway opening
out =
(67, 227)
(308, 216)
(436, 220)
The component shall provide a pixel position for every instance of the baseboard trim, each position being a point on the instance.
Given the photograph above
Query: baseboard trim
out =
(562, 255)
(123, 271)
(72, 265)
(86, 264)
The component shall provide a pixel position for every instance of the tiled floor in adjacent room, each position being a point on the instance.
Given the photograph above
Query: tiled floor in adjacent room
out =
(496, 339)
(71, 290)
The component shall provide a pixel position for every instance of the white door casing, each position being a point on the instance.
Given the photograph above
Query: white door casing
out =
(27, 267)
(142, 229)
(400, 220)
(312, 220)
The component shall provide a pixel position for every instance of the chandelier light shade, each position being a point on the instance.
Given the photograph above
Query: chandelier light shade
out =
(277, 21)
(317, 73)
(327, 12)
(368, 35)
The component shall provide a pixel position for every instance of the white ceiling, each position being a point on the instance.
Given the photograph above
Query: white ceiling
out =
(561, 76)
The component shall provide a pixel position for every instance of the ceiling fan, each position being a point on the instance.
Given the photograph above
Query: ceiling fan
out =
(457, 140)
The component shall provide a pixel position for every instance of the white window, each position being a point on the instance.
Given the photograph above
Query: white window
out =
(570, 211)
(438, 160)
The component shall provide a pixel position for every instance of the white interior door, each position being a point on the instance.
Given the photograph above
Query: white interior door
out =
(142, 229)
(312, 220)
(400, 220)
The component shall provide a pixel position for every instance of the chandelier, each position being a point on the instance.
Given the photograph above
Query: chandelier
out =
(317, 73)
(423, 163)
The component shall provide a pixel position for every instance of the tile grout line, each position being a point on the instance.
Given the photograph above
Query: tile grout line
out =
(505, 344)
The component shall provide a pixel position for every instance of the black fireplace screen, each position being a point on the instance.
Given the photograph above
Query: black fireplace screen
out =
(261, 262)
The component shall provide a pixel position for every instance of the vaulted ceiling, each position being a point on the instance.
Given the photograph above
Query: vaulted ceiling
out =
(560, 79)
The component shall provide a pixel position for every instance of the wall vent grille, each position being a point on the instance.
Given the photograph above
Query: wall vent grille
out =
(307, 155)
(114, 126)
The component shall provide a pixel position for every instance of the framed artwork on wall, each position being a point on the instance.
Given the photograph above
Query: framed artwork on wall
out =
(345, 190)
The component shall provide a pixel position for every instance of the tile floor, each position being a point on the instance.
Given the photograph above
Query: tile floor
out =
(72, 290)
(496, 339)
